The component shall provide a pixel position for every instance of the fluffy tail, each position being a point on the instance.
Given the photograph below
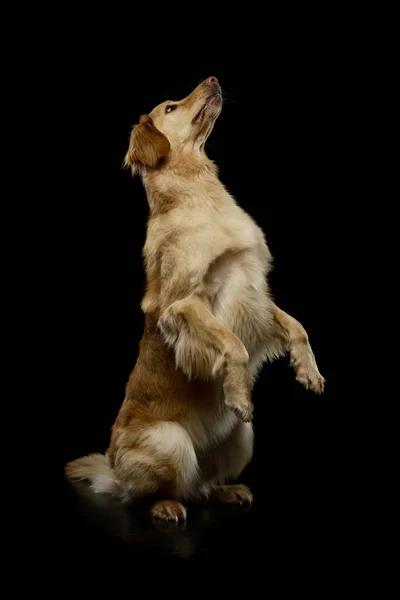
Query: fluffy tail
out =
(96, 468)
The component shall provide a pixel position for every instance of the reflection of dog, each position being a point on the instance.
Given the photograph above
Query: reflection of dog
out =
(184, 427)
(120, 521)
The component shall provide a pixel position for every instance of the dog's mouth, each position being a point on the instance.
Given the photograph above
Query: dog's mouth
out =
(213, 100)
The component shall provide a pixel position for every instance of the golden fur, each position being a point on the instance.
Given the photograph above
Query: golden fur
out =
(184, 427)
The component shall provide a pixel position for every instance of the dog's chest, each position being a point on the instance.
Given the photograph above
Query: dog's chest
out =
(241, 252)
(244, 262)
(237, 285)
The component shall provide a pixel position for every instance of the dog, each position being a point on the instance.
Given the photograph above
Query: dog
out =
(184, 429)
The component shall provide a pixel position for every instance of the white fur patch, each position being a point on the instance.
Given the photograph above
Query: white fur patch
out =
(171, 440)
(104, 484)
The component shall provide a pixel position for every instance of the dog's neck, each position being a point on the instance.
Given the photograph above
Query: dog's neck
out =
(178, 179)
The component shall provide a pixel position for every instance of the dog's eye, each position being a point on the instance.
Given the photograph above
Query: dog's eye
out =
(170, 108)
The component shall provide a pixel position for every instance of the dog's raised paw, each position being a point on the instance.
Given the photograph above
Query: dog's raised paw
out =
(312, 380)
(243, 411)
(237, 391)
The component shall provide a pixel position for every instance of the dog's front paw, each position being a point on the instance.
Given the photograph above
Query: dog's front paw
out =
(243, 410)
(170, 324)
(237, 391)
(311, 378)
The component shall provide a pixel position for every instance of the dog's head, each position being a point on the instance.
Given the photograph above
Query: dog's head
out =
(174, 127)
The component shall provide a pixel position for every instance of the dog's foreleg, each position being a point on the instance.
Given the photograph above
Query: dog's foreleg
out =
(206, 349)
(295, 340)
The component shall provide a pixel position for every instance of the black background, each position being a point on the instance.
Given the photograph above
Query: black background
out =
(279, 147)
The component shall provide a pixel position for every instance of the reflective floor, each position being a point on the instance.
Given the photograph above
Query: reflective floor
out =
(210, 527)
(279, 525)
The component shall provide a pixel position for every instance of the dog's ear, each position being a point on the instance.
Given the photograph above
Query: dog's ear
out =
(147, 146)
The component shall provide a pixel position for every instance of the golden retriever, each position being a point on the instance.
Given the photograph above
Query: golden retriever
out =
(184, 428)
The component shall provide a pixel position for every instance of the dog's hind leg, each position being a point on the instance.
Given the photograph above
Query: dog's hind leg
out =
(222, 465)
(160, 460)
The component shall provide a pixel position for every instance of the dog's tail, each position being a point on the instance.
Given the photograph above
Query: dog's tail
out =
(96, 468)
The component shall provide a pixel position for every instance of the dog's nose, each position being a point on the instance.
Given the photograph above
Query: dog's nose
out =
(211, 81)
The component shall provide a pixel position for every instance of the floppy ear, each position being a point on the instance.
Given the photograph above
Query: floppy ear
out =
(146, 147)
